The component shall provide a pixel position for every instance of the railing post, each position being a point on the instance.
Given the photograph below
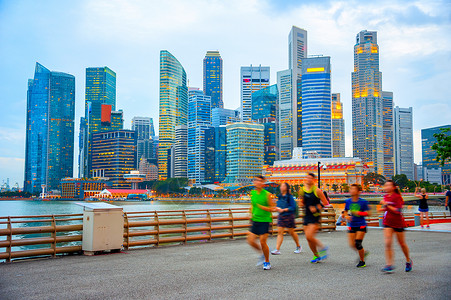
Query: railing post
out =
(127, 238)
(232, 229)
(54, 236)
(157, 228)
(185, 226)
(9, 238)
(209, 223)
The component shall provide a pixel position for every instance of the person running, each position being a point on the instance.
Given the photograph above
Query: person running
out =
(261, 207)
(313, 200)
(286, 206)
(394, 224)
(423, 207)
(359, 209)
(448, 199)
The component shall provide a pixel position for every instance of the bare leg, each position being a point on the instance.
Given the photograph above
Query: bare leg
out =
(427, 217)
(251, 240)
(310, 232)
(421, 218)
(295, 237)
(402, 242)
(264, 246)
(359, 236)
(280, 231)
(388, 239)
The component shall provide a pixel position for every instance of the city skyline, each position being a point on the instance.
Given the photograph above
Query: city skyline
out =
(403, 55)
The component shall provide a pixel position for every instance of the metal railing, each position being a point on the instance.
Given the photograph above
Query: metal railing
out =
(49, 235)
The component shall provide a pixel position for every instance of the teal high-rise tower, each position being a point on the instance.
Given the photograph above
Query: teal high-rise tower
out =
(49, 150)
(213, 78)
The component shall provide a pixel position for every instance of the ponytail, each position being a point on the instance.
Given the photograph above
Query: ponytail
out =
(397, 190)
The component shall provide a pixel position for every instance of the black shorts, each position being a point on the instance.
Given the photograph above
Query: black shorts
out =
(395, 229)
(355, 229)
(259, 228)
(309, 219)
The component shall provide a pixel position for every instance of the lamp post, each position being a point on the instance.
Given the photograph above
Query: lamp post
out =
(319, 173)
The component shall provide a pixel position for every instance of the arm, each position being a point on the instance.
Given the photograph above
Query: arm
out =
(271, 203)
(322, 198)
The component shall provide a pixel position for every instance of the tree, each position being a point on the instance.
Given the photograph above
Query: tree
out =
(401, 180)
(373, 178)
(335, 187)
(345, 187)
(443, 146)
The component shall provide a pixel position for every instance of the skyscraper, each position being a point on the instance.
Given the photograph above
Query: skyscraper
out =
(245, 151)
(252, 80)
(100, 112)
(173, 105)
(199, 120)
(210, 152)
(213, 78)
(316, 107)
(220, 153)
(387, 114)
(367, 121)
(49, 145)
(297, 51)
(338, 127)
(223, 116)
(403, 133)
(429, 155)
(264, 103)
(143, 127)
(285, 115)
(181, 152)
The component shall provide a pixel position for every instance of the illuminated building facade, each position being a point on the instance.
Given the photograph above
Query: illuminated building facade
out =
(367, 119)
(213, 78)
(181, 151)
(173, 106)
(285, 115)
(220, 153)
(148, 169)
(316, 107)
(387, 114)
(223, 116)
(429, 155)
(143, 127)
(339, 171)
(209, 151)
(79, 188)
(245, 152)
(403, 134)
(114, 155)
(264, 103)
(49, 144)
(252, 80)
(338, 127)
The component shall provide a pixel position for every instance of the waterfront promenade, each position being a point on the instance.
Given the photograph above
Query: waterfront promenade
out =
(226, 270)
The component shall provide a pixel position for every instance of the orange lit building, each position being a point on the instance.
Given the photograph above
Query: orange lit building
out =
(78, 188)
(334, 171)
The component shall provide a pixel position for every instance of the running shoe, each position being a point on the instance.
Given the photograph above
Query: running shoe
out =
(409, 266)
(275, 252)
(316, 259)
(428, 226)
(388, 269)
(298, 250)
(266, 266)
(324, 253)
(361, 264)
(422, 226)
(261, 260)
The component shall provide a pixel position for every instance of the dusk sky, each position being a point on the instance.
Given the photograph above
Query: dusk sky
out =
(68, 36)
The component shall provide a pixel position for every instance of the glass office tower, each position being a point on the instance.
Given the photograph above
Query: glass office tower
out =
(49, 145)
(429, 155)
(403, 133)
(252, 80)
(387, 114)
(338, 127)
(213, 78)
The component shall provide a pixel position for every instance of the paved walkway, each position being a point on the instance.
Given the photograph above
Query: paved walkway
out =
(226, 270)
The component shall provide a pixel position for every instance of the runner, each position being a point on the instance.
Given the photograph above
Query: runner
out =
(423, 207)
(448, 200)
(286, 206)
(394, 224)
(313, 200)
(261, 207)
(356, 221)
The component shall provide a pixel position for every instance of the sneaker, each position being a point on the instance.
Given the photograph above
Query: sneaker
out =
(409, 266)
(275, 252)
(298, 250)
(260, 261)
(422, 226)
(266, 266)
(324, 253)
(361, 264)
(388, 269)
(428, 226)
(316, 259)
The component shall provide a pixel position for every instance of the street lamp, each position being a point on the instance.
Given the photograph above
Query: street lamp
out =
(319, 172)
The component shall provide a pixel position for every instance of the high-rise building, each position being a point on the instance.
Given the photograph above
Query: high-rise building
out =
(199, 119)
(245, 152)
(264, 103)
(338, 127)
(223, 116)
(367, 120)
(403, 146)
(285, 115)
(316, 107)
(148, 169)
(252, 80)
(429, 156)
(181, 151)
(143, 127)
(387, 114)
(297, 52)
(209, 150)
(220, 153)
(114, 155)
(173, 105)
(100, 113)
(213, 78)
(49, 145)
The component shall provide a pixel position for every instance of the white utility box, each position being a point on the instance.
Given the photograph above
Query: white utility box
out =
(103, 227)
